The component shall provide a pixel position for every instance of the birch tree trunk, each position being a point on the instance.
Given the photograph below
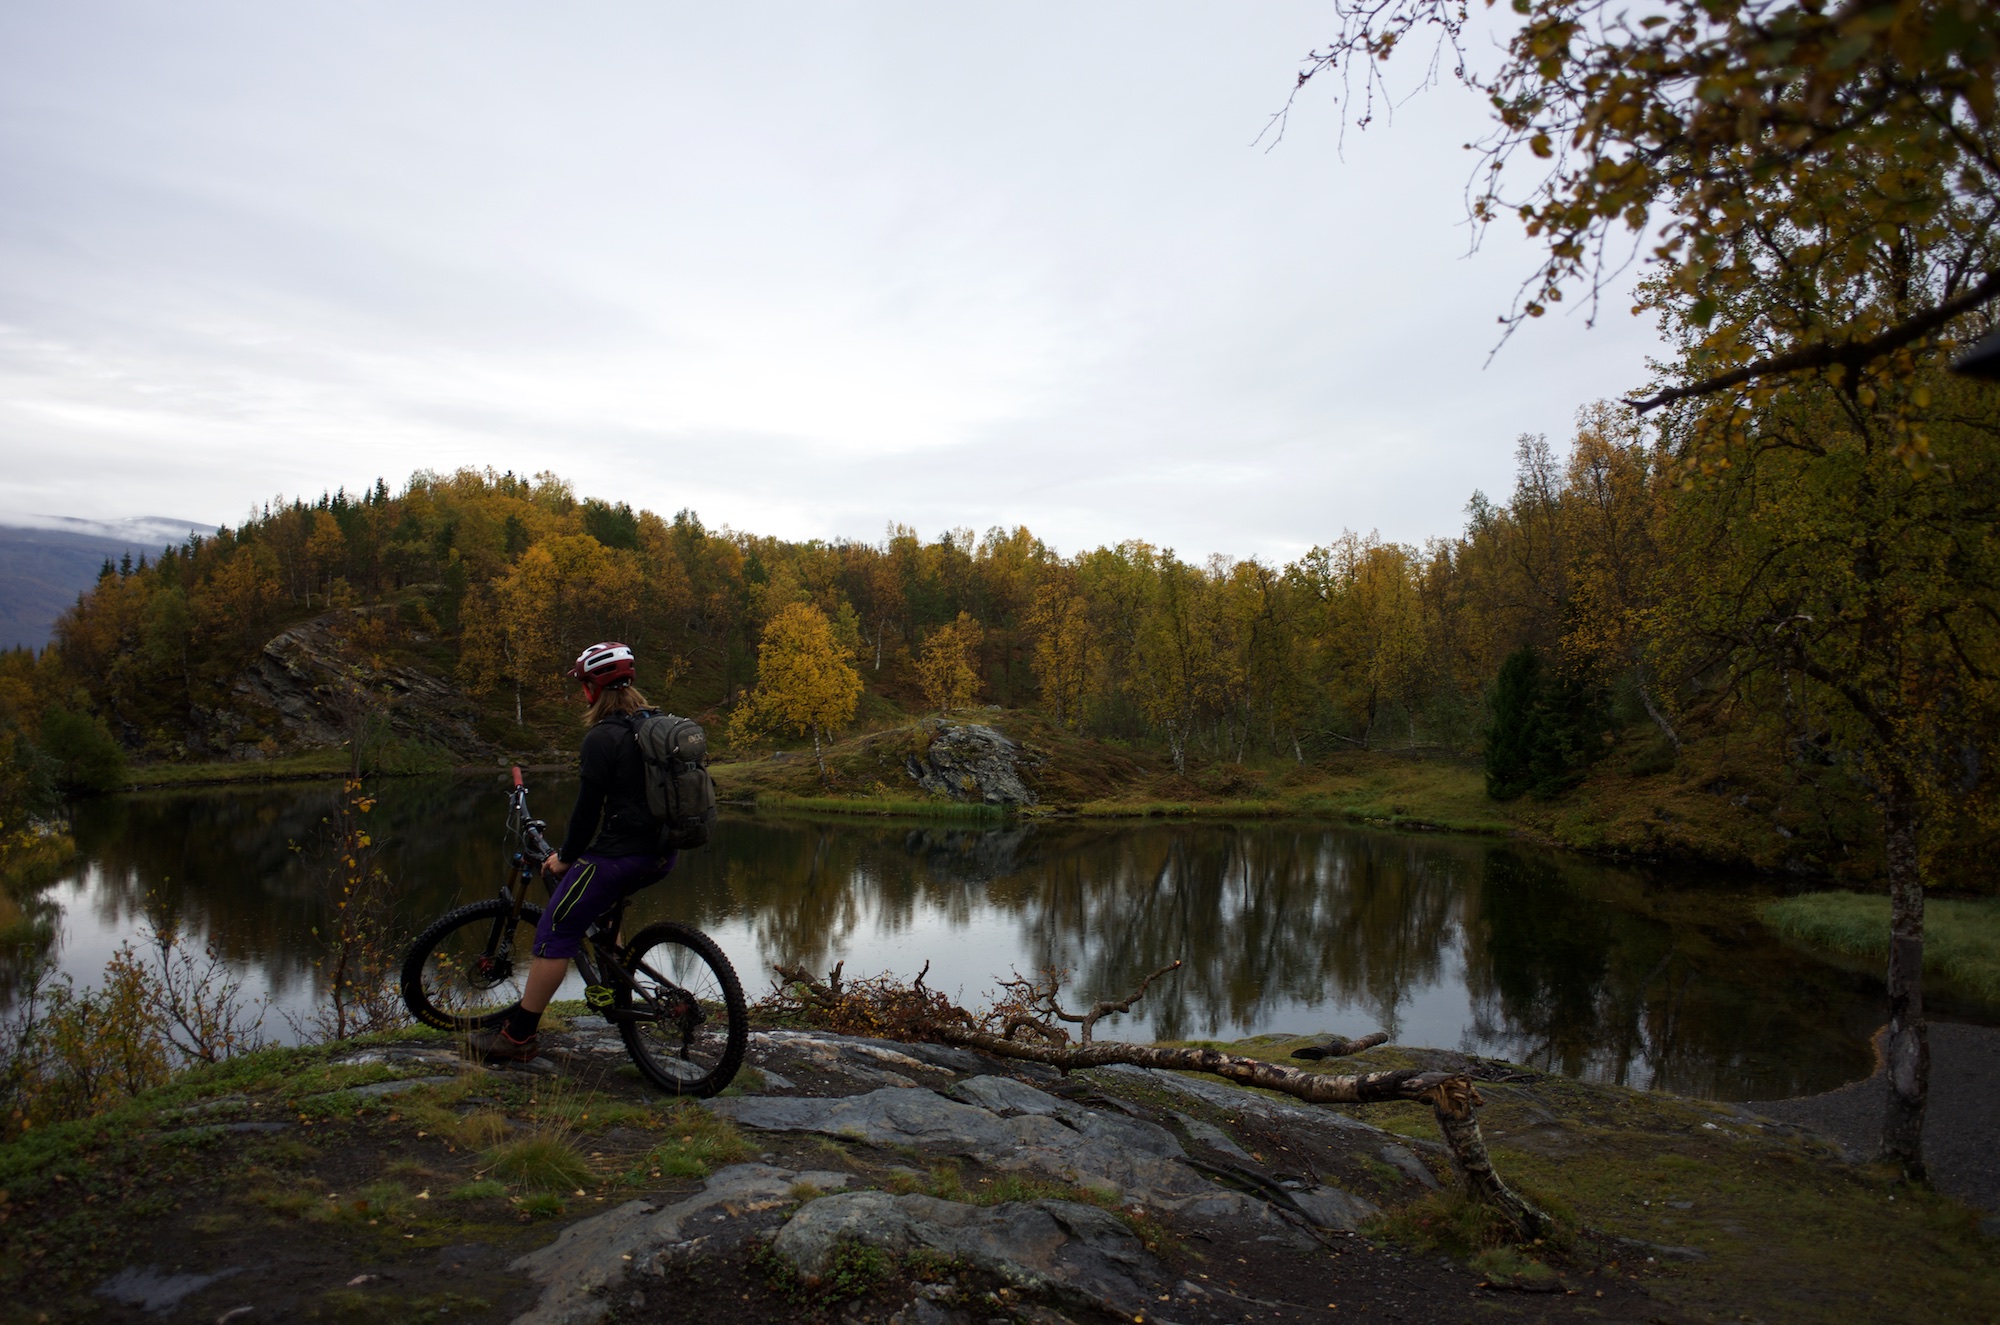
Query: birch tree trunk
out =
(1907, 1050)
(1659, 718)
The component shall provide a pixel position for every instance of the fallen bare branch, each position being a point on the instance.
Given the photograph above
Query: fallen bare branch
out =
(1022, 1026)
(1088, 1020)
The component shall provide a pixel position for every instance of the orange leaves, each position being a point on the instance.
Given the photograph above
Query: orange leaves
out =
(805, 683)
(947, 663)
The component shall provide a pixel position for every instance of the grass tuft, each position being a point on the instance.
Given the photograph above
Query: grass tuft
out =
(1447, 1223)
(697, 1143)
(540, 1163)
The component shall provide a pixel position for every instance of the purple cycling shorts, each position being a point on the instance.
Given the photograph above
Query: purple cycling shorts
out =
(593, 885)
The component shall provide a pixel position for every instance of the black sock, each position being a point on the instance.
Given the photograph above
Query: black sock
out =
(521, 1024)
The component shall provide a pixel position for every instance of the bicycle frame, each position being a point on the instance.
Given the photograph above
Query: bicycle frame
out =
(600, 942)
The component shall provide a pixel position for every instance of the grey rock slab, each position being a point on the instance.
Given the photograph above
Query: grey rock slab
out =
(1138, 1160)
(536, 1067)
(1014, 1099)
(1075, 1251)
(1215, 1138)
(948, 1057)
(1007, 1097)
(1330, 1207)
(593, 1255)
(1134, 1134)
(888, 1117)
(217, 1105)
(379, 1089)
(1401, 1159)
(149, 1289)
(866, 1060)
(395, 1054)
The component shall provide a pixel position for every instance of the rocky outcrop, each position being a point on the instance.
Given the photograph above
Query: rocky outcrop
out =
(1014, 1127)
(640, 1237)
(970, 762)
(867, 1109)
(1071, 1252)
(309, 684)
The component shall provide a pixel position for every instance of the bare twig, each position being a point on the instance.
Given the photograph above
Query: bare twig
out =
(1088, 1020)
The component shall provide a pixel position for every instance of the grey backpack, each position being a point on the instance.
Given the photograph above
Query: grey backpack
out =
(679, 791)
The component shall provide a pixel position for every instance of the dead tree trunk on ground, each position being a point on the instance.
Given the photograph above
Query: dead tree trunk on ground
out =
(1026, 1027)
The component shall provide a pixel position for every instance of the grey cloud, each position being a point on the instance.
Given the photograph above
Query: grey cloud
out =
(809, 270)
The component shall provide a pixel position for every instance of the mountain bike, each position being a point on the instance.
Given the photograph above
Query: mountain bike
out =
(670, 991)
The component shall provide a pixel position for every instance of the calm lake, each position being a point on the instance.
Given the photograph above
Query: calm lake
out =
(1648, 977)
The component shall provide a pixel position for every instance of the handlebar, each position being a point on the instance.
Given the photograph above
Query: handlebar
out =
(529, 829)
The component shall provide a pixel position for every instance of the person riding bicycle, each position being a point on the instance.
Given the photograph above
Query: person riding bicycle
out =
(610, 850)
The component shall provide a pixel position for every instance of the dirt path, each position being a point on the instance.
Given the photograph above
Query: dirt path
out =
(1961, 1127)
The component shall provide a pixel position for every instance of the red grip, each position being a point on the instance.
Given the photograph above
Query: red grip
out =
(517, 775)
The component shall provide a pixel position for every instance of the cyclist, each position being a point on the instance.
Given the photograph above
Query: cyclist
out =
(609, 851)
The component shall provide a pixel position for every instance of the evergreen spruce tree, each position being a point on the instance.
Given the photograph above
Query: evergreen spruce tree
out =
(1513, 735)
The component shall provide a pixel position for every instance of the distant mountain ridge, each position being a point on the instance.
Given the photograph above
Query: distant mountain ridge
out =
(47, 560)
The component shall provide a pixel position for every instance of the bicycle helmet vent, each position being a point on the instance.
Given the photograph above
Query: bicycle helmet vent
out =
(604, 666)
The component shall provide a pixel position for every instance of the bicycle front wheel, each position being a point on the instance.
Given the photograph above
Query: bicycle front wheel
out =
(683, 1017)
(467, 969)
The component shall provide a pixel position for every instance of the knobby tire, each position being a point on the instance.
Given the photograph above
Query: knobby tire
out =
(428, 994)
(686, 1057)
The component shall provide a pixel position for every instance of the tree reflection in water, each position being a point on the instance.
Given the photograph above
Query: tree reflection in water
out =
(1562, 962)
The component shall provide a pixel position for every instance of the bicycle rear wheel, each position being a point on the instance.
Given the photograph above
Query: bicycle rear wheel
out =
(467, 969)
(683, 1017)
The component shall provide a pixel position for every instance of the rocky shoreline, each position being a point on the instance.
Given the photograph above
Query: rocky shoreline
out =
(861, 1181)
(1156, 1157)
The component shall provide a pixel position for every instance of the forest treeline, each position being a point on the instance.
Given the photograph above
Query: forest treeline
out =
(498, 580)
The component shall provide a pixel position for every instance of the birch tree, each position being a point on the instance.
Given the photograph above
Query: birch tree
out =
(947, 665)
(805, 684)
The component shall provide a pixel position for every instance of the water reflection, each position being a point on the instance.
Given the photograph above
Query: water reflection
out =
(1599, 972)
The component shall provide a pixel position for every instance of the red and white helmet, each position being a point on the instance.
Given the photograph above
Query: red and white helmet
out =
(604, 666)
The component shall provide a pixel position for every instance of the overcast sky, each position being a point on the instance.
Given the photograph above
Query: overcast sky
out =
(804, 268)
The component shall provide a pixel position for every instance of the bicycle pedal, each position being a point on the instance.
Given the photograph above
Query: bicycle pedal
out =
(599, 997)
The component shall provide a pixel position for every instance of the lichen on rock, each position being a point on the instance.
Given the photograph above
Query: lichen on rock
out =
(970, 762)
